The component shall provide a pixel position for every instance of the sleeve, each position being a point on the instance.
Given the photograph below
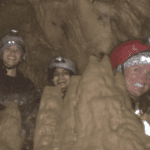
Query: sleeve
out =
(2, 69)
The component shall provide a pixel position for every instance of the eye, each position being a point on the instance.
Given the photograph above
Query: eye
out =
(137, 69)
(148, 74)
(18, 51)
(55, 73)
(66, 72)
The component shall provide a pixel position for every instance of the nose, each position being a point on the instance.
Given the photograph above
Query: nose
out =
(60, 76)
(143, 78)
(13, 51)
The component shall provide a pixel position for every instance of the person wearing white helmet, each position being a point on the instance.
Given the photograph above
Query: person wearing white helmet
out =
(132, 58)
(14, 87)
(12, 51)
(59, 72)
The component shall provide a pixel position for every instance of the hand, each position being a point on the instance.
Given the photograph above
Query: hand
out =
(63, 91)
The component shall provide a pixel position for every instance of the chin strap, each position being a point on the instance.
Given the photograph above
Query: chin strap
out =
(6, 67)
(122, 68)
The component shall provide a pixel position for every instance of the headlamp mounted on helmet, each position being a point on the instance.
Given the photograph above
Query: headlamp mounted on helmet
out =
(59, 60)
(11, 39)
(62, 62)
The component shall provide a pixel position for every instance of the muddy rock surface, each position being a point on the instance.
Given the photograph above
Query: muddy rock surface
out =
(96, 113)
(10, 128)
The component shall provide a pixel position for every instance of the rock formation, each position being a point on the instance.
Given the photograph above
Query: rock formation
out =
(96, 114)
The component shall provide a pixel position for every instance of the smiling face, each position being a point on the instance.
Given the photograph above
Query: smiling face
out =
(137, 79)
(11, 56)
(61, 76)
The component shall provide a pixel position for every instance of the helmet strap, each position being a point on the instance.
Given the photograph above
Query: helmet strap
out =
(122, 68)
(11, 67)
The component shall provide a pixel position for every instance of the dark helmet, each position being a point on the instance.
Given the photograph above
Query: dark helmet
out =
(61, 62)
(13, 38)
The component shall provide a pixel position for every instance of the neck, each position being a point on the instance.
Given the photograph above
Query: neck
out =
(135, 98)
(11, 72)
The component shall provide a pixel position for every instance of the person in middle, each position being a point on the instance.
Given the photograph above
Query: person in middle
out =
(60, 71)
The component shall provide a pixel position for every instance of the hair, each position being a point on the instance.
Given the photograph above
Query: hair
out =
(144, 102)
(51, 73)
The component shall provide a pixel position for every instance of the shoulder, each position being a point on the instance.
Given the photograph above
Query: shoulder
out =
(26, 82)
(1, 62)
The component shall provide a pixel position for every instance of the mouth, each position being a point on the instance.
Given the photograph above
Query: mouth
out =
(138, 85)
(11, 58)
(61, 82)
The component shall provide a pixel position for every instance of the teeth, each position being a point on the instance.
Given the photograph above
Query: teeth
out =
(11, 57)
(138, 85)
(61, 82)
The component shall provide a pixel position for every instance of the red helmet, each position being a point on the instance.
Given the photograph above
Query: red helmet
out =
(126, 50)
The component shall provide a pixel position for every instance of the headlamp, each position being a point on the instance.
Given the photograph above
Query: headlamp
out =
(59, 59)
(143, 58)
(11, 42)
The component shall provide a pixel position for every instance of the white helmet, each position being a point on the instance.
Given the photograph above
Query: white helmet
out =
(13, 38)
(61, 62)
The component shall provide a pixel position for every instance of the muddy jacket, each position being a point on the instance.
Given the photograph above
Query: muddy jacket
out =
(22, 91)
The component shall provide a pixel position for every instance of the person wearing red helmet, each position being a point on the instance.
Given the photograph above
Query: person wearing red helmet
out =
(132, 58)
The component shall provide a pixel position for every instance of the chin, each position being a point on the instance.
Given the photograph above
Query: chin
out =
(137, 94)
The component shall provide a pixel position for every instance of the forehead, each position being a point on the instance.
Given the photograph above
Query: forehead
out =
(60, 69)
(147, 67)
(13, 47)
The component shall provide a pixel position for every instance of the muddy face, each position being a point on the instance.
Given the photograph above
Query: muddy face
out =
(137, 79)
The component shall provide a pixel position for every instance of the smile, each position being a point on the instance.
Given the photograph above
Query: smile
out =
(11, 58)
(61, 82)
(138, 85)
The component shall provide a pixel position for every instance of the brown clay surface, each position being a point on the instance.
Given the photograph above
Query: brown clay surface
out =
(96, 114)
(10, 128)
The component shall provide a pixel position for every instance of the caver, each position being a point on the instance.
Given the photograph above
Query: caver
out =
(132, 58)
(60, 71)
(14, 87)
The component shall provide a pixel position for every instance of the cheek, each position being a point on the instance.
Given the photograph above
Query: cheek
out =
(5, 54)
(55, 80)
(130, 81)
(147, 86)
(130, 78)
(18, 56)
(68, 79)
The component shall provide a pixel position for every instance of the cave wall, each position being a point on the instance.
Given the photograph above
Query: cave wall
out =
(72, 28)
(96, 113)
